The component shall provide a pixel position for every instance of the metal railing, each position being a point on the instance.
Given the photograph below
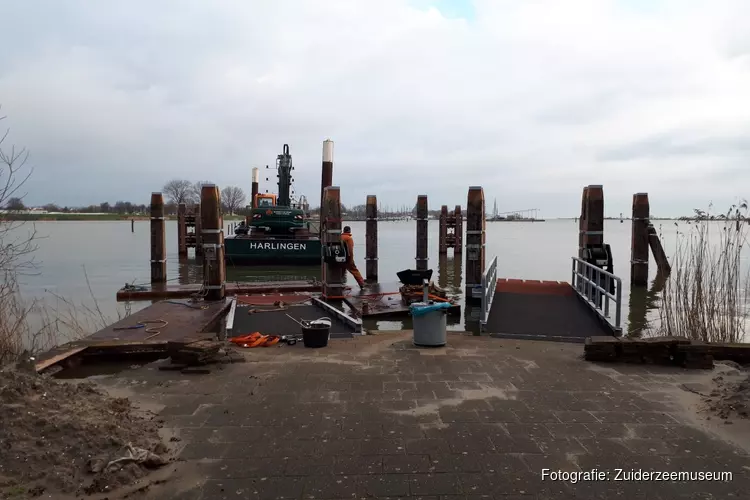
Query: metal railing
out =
(595, 285)
(489, 285)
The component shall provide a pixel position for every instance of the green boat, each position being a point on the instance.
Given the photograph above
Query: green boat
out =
(277, 231)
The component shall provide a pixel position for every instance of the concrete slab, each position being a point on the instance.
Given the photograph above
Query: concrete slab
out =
(376, 417)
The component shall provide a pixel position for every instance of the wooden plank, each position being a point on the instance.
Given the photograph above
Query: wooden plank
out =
(46, 362)
(187, 291)
(183, 319)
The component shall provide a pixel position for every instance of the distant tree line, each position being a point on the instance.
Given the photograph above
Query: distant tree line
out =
(178, 191)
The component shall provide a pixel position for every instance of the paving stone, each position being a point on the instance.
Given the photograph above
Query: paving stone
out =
(383, 447)
(569, 430)
(434, 484)
(245, 468)
(330, 486)
(357, 465)
(575, 417)
(407, 464)
(427, 447)
(385, 485)
(457, 462)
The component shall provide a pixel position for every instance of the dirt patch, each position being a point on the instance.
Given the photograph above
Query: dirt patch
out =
(61, 438)
(730, 396)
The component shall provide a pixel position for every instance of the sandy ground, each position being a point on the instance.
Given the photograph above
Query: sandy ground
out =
(60, 438)
(718, 400)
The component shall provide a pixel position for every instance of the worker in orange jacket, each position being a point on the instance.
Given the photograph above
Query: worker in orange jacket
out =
(346, 239)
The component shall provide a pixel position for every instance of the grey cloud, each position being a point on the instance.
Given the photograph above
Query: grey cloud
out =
(530, 99)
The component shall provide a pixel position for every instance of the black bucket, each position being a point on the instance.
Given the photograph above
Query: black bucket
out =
(316, 335)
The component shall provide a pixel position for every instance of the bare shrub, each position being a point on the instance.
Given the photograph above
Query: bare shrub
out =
(706, 295)
(30, 325)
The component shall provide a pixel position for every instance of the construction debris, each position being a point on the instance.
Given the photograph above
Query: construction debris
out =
(415, 293)
(192, 356)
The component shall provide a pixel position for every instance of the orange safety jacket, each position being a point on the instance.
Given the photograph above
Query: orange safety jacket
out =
(347, 240)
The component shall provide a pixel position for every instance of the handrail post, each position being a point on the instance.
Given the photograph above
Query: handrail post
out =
(618, 307)
(606, 295)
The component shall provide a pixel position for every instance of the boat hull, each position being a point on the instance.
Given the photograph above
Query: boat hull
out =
(254, 251)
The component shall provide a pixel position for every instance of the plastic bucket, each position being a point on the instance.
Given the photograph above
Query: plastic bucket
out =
(316, 335)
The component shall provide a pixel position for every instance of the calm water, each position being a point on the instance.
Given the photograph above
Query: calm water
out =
(83, 261)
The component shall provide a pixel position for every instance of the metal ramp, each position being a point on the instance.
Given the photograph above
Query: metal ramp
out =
(268, 316)
(552, 310)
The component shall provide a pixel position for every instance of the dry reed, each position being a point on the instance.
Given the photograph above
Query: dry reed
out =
(706, 295)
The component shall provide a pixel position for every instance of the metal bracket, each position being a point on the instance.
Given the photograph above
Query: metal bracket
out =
(475, 232)
(210, 250)
(372, 218)
(333, 231)
(211, 231)
(214, 287)
(371, 258)
(595, 233)
(158, 260)
(423, 218)
(157, 218)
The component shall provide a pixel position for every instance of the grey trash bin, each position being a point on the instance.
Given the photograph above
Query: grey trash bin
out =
(429, 327)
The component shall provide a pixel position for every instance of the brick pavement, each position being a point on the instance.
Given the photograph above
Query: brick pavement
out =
(375, 417)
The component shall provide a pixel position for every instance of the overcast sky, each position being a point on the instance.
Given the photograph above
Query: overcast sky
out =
(531, 99)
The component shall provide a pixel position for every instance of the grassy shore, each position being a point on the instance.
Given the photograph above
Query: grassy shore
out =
(91, 217)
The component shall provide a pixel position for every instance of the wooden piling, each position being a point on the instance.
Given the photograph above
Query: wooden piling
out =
(214, 267)
(182, 248)
(422, 223)
(326, 178)
(198, 234)
(659, 256)
(475, 238)
(132, 225)
(458, 249)
(582, 223)
(640, 240)
(594, 223)
(443, 231)
(330, 223)
(158, 240)
(254, 188)
(371, 239)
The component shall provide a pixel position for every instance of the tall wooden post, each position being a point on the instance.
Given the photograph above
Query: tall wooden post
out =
(475, 237)
(458, 249)
(639, 241)
(158, 240)
(330, 222)
(582, 222)
(214, 267)
(443, 231)
(254, 187)
(181, 230)
(198, 234)
(326, 177)
(422, 232)
(594, 235)
(371, 239)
